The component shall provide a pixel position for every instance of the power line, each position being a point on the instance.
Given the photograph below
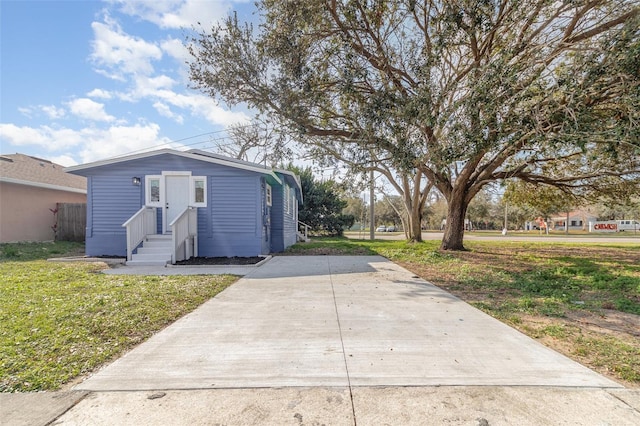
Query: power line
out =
(187, 138)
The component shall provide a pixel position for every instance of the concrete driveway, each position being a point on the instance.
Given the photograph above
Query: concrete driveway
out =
(338, 321)
(336, 341)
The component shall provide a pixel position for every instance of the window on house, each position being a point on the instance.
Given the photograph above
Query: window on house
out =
(574, 223)
(153, 191)
(268, 195)
(198, 191)
(287, 198)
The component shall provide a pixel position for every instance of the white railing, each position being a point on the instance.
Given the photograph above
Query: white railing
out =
(184, 235)
(141, 224)
(303, 230)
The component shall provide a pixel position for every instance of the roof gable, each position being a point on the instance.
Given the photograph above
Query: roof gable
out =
(193, 154)
(27, 170)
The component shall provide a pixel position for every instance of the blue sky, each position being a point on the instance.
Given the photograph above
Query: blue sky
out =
(82, 81)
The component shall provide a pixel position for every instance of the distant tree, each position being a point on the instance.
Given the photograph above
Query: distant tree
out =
(615, 209)
(437, 212)
(482, 210)
(322, 205)
(544, 200)
(355, 207)
(259, 142)
(388, 210)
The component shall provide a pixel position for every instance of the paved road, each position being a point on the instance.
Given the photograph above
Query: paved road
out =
(512, 236)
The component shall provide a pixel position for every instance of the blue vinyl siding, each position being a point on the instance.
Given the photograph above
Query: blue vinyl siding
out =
(277, 209)
(289, 222)
(289, 228)
(284, 224)
(112, 200)
(230, 225)
(235, 212)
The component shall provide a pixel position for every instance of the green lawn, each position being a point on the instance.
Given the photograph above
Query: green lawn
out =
(547, 290)
(63, 320)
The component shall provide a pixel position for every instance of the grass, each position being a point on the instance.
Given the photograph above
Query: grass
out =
(544, 289)
(63, 320)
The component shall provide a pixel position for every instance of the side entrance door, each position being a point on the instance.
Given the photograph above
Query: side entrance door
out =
(176, 198)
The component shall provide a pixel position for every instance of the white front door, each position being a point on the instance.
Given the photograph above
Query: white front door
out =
(176, 199)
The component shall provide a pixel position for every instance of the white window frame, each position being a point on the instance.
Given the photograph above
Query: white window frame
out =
(268, 195)
(287, 197)
(192, 190)
(147, 186)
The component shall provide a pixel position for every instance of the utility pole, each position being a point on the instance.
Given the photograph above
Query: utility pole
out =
(504, 230)
(371, 209)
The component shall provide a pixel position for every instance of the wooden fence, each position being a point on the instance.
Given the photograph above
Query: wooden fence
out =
(71, 221)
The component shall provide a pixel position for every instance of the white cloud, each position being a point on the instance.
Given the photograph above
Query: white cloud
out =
(203, 106)
(176, 49)
(119, 140)
(91, 144)
(21, 136)
(89, 109)
(64, 160)
(177, 13)
(53, 112)
(51, 138)
(120, 53)
(26, 111)
(100, 94)
(165, 111)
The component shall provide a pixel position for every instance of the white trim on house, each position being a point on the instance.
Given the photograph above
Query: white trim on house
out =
(42, 185)
(269, 195)
(295, 177)
(195, 155)
(147, 189)
(193, 201)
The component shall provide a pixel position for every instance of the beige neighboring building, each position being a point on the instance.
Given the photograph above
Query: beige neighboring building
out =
(578, 220)
(29, 189)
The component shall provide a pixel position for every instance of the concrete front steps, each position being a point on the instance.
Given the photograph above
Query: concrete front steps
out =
(155, 251)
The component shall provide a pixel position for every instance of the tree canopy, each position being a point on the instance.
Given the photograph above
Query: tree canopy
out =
(454, 94)
(323, 205)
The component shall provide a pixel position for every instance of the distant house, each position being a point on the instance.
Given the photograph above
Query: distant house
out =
(167, 205)
(577, 220)
(30, 188)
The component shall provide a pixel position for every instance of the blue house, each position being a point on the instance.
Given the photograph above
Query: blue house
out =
(167, 205)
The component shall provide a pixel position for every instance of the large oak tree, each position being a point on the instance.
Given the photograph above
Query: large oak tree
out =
(455, 94)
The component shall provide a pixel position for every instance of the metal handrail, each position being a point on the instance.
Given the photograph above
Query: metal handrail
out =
(141, 224)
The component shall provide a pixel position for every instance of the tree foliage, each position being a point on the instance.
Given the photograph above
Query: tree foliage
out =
(323, 205)
(455, 94)
(541, 200)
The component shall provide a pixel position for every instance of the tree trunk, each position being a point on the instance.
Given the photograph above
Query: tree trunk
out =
(415, 222)
(454, 229)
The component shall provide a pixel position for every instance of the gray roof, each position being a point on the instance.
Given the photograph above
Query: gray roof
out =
(27, 170)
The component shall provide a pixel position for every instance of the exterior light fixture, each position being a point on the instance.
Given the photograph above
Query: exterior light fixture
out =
(135, 180)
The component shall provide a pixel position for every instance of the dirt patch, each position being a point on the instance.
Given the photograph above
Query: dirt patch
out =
(234, 261)
(608, 321)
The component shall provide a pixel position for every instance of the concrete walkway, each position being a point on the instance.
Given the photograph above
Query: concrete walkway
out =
(344, 340)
